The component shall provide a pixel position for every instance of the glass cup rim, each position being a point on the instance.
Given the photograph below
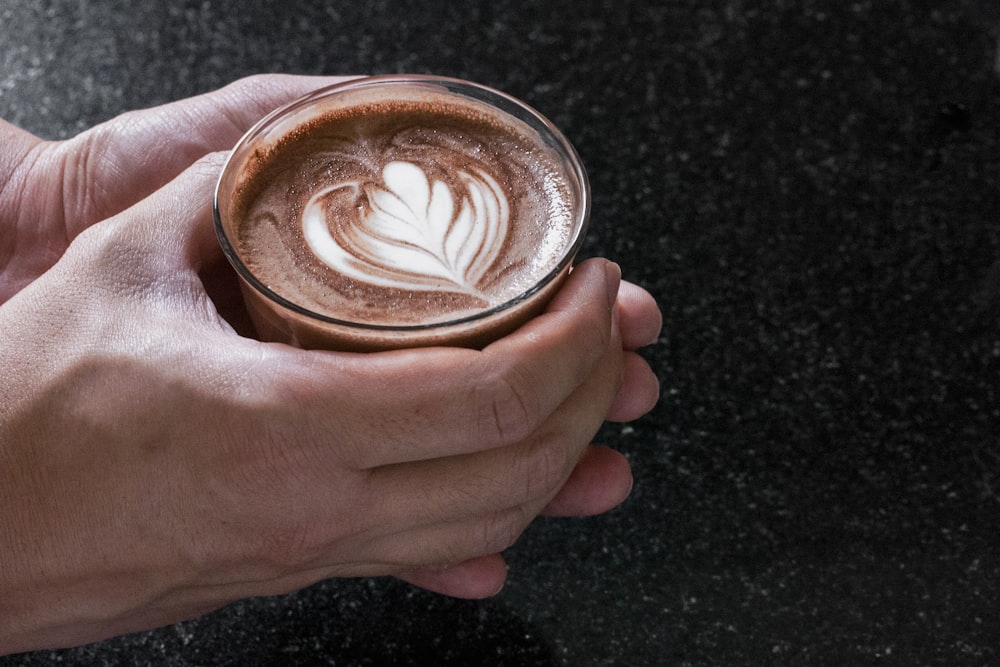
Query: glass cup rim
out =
(493, 97)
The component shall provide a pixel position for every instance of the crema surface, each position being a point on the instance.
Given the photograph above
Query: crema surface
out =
(404, 213)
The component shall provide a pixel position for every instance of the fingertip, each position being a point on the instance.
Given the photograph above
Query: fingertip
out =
(601, 481)
(639, 392)
(639, 316)
(474, 579)
(612, 281)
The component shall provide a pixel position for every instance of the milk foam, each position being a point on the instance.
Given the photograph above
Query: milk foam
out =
(404, 213)
(409, 232)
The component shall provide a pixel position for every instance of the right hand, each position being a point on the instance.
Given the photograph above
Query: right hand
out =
(155, 465)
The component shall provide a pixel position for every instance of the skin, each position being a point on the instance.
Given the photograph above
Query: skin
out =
(157, 462)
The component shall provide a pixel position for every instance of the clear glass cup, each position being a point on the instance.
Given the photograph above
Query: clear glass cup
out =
(277, 318)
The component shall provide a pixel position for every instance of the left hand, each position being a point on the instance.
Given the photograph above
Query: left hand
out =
(52, 191)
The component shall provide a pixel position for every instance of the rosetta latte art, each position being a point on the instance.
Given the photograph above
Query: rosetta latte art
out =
(404, 213)
(408, 232)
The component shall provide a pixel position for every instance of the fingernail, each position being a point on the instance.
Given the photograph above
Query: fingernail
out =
(612, 280)
(631, 485)
(500, 588)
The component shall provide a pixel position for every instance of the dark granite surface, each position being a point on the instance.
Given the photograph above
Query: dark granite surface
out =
(812, 190)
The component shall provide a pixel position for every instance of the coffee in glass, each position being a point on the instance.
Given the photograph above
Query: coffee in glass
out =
(400, 211)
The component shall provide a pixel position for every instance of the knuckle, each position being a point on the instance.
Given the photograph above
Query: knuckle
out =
(252, 85)
(259, 93)
(511, 409)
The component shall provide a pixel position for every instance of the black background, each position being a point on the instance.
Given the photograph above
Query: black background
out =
(810, 188)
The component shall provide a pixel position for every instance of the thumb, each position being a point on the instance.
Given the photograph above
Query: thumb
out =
(134, 154)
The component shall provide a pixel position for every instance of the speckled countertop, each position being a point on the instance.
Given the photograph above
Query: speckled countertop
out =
(812, 190)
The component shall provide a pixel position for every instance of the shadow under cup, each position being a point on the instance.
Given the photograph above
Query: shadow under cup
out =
(278, 318)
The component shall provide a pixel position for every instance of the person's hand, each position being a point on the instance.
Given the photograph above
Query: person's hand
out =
(154, 464)
(52, 191)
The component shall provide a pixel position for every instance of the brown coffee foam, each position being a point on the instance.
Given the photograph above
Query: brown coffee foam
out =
(357, 142)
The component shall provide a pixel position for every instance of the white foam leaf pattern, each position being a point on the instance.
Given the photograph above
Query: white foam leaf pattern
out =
(412, 234)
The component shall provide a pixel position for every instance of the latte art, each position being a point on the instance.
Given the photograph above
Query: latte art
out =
(404, 212)
(408, 232)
